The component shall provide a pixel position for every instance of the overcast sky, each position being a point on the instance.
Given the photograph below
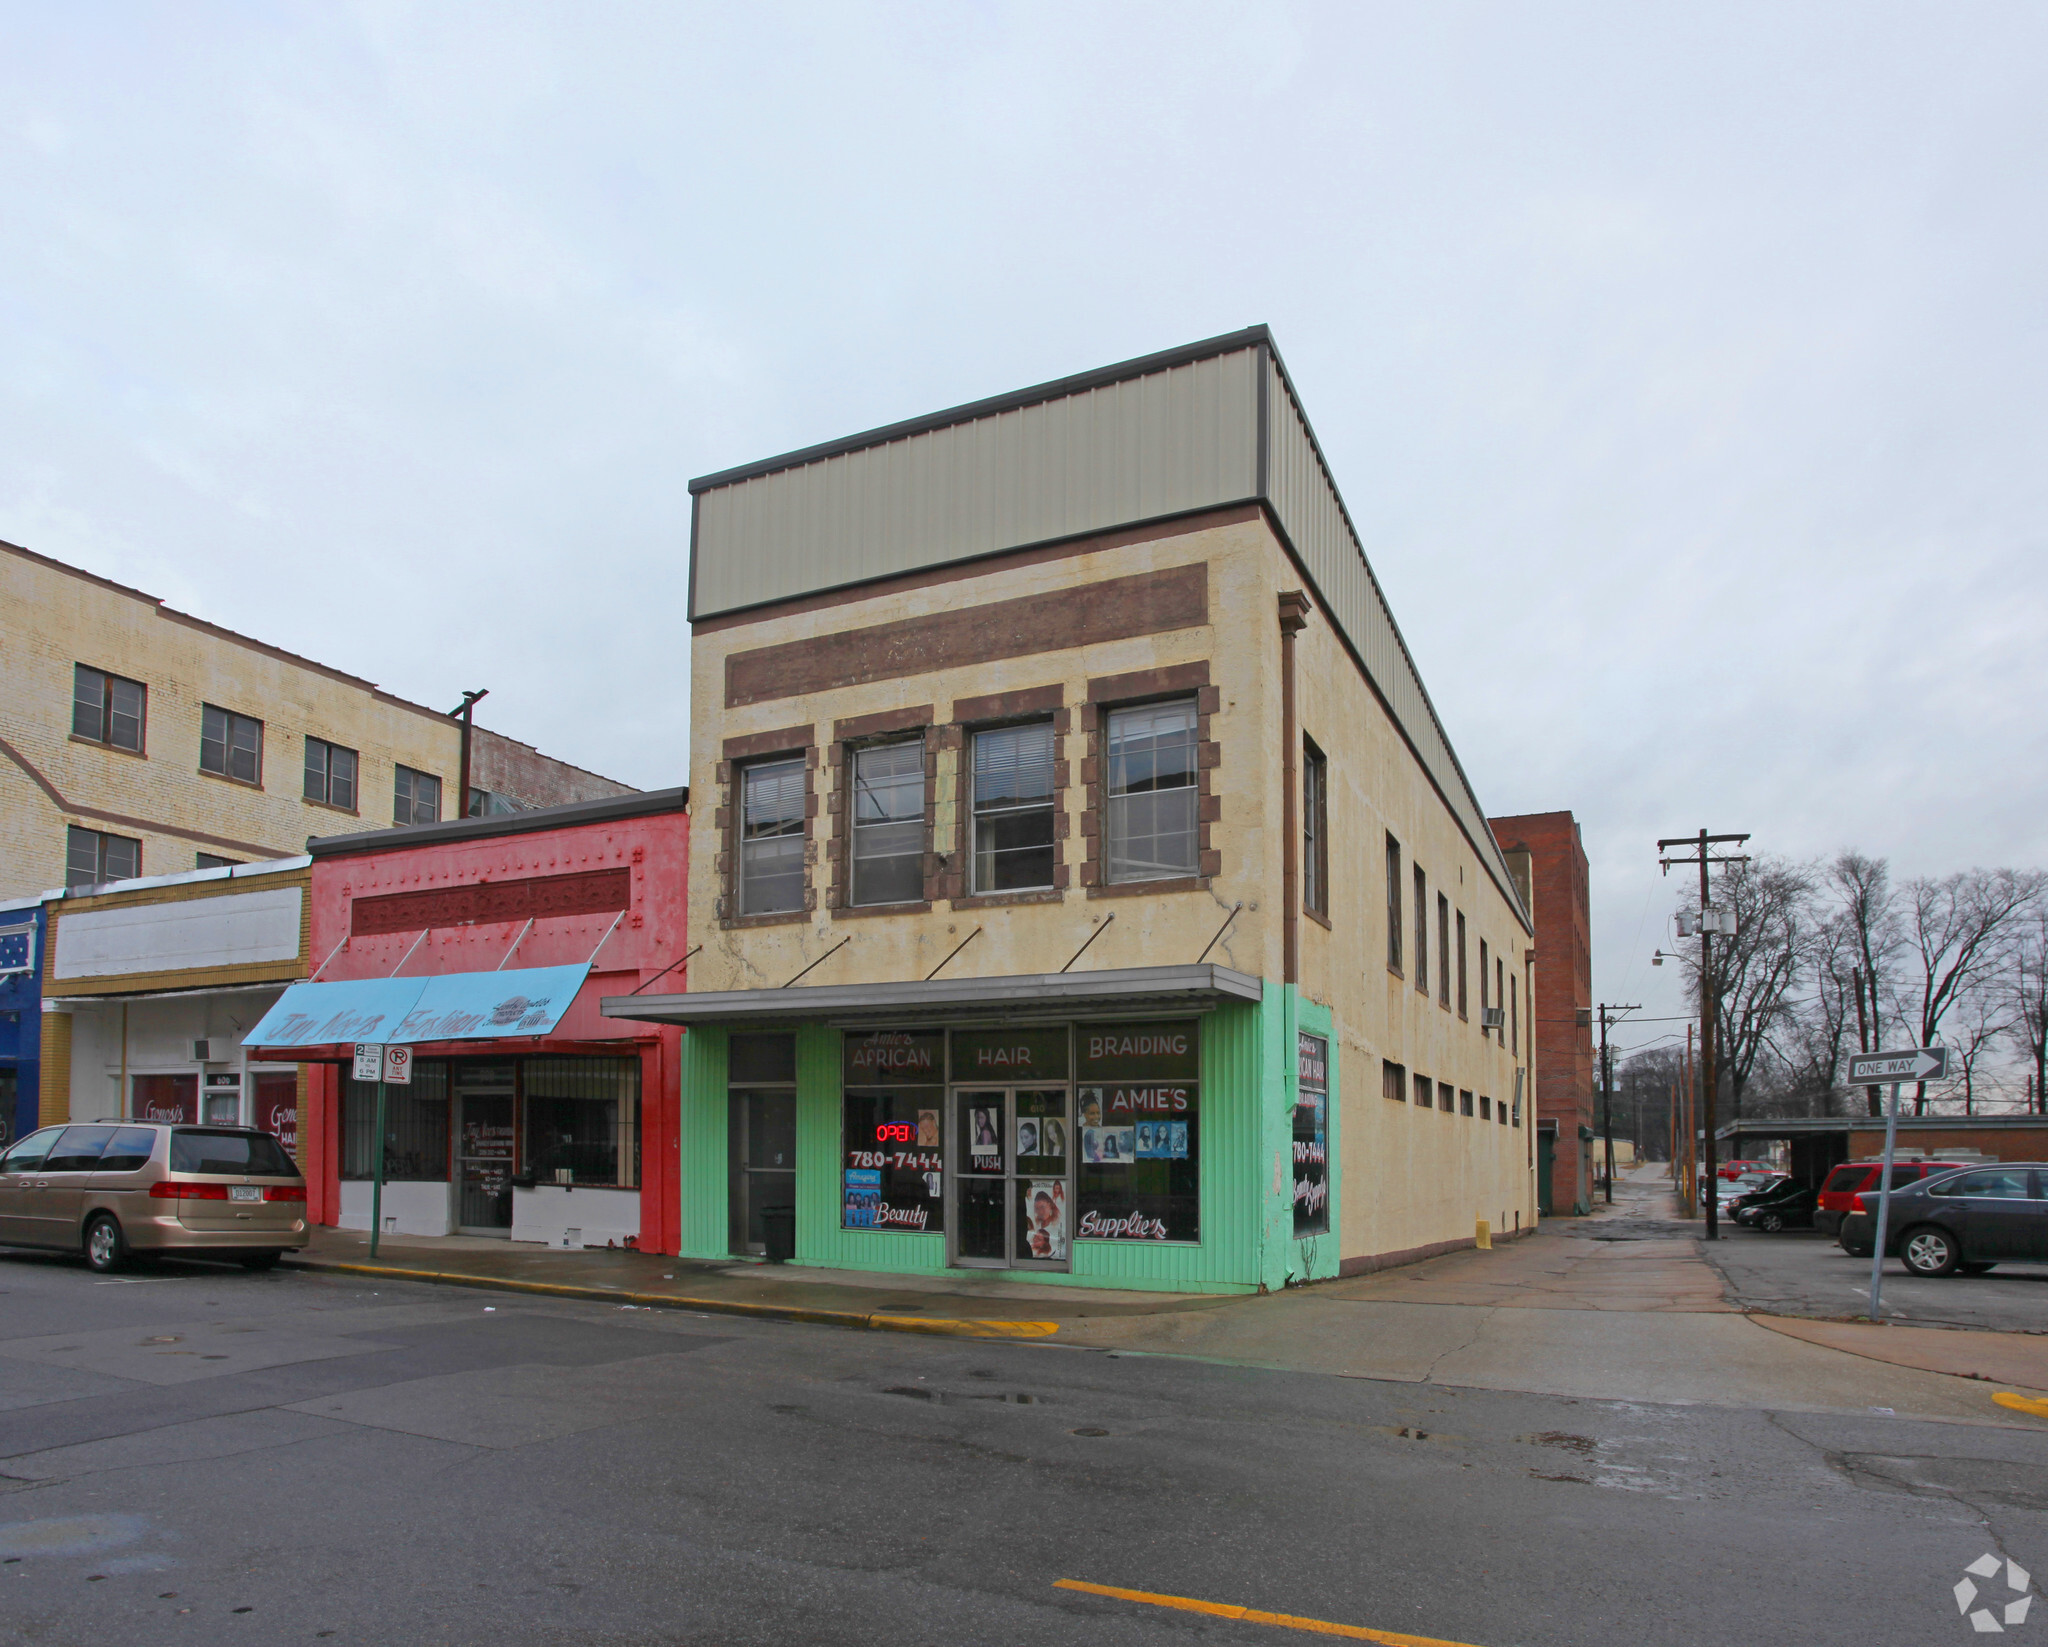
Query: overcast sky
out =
(1683, 367)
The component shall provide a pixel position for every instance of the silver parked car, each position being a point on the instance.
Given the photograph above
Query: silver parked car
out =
(112, 1188)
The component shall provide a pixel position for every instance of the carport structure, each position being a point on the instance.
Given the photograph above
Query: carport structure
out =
(1818, 1144)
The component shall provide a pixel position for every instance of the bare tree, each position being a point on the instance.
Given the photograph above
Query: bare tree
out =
(2027, 989)
(1976, 1023)
(1957, 931)
(1867, 907)
(1758, 969)
(1809, 1043)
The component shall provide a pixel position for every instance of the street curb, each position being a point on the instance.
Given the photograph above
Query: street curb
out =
(867, 1322)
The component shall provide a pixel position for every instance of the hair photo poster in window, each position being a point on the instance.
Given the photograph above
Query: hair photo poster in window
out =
(1311, 1135)
(894, 1158)
(1140, 1133)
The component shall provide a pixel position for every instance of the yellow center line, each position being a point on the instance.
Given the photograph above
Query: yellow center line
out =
(2033, 1405)
(1251, 1615)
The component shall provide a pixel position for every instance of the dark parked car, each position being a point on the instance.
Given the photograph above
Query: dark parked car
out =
(1851, 1178)
(1963, 1221)
(1787, 1205)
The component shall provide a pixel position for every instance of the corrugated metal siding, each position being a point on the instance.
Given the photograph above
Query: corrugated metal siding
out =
(1304, 497)
(701, 1129)
(1157, 445)
(1234, 1177)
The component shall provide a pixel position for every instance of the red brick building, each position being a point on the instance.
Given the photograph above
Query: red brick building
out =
(1557, 867)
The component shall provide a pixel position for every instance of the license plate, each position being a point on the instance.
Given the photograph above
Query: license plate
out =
(245, 1192)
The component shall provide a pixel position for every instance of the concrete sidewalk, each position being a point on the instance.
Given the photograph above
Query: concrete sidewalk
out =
(954, 1303)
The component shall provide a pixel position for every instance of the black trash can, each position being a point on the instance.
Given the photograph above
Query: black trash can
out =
(778, 1233)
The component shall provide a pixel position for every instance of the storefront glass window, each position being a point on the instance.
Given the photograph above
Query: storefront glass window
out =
(164, 1097)
(1312, 1135)
(1140, 1131)
(582, 1121)
(894, 1159)
(415, 1127)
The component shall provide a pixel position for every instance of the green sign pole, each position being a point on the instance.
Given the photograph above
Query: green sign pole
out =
(377, 1173)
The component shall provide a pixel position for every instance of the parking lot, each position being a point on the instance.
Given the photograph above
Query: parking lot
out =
(1802, 1272)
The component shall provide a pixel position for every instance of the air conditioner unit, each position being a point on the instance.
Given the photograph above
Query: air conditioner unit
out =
(209, 1052)
(1491, 1017)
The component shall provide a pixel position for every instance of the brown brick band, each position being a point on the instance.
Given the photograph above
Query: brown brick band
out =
(1149, 603)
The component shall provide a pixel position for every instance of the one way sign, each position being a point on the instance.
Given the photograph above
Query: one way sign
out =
(1914, 1064)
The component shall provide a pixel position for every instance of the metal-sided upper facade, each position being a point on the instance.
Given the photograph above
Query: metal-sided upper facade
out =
(1209, 425)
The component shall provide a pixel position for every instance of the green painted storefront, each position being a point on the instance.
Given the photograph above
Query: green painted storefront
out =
(1262, 1136)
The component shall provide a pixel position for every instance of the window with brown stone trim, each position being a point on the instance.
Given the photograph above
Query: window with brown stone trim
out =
(886, 823)
(1012, 800)
(1152, 792)
(771, 837)
(1147, 775)
(792, 746)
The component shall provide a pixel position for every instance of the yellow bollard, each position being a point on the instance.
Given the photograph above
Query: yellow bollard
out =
(1482, 1237)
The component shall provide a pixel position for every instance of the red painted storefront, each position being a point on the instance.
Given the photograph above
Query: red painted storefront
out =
(601, 882)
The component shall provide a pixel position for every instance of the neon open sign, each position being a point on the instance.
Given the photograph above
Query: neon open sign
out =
(901, 1132)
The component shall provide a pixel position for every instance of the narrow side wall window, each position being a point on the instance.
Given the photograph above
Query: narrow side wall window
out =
(1315, 830)
(1464, 980)
(1443, 952)
(772, 837)
(1421, 932)
(1515, 1016)
(1484, 1003)
(1393, 905)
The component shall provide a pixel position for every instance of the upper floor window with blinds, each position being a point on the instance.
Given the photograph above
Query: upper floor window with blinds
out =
(1013, 808)
(107, 709)
(230, 745)
(1153, 828)
(888, 823)
(1315, 831)
(772, 837)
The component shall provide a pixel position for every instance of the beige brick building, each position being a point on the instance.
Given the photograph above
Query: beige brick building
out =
(139, 740)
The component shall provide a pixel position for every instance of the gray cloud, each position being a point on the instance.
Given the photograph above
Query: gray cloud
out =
(1682, 367)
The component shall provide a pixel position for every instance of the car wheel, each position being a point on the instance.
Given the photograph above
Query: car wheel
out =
(259, 1260)
(1929, 1251)
(1771, 1223)
(106, 1248)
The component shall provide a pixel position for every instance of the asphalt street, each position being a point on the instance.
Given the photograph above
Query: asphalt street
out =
(202, 1455)
(1801, 1272)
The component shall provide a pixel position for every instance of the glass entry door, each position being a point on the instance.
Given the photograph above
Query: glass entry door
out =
(761, 1134)
(1012, 1178)
(483, 1162)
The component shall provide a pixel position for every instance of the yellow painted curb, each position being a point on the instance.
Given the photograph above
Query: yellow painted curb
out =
(2033, 1405)
(937, 1326)
(1251, 1615)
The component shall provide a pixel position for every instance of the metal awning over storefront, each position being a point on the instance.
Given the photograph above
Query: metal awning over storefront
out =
(1122, 992)
(455, 1006)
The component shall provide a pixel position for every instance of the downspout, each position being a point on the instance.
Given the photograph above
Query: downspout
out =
(1294, 610)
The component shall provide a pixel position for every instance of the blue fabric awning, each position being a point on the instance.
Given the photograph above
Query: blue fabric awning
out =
(458, 1006)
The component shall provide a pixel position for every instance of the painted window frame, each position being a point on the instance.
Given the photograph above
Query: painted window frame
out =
(101, 730)
(745, 775)
(230, 723)
(325, 797)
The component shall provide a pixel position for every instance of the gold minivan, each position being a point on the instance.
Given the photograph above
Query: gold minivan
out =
(110, 1189)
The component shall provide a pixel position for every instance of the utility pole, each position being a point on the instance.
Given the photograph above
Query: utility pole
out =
(465, 712)
(1709, 1003)
(1607, 1089)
